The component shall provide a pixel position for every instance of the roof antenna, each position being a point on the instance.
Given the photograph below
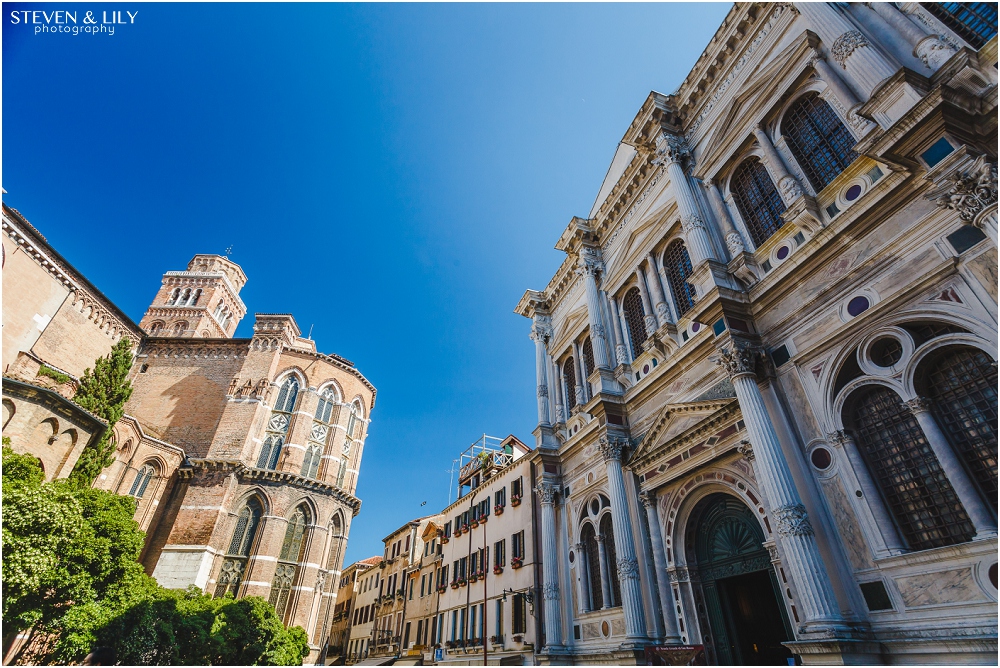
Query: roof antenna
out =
(229, 251)
(310, 332)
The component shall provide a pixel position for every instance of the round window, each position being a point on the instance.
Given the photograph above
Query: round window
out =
(886, 352)
(853, 193)
(595, 506)
(821, 458)
(782, 253)
(858, 305)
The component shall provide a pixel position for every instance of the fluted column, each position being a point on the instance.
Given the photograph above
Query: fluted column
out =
(671, 151)
(628, 565)
(621, 351)
(661, 274)
(557, 386)
(930, 49)
(849, 48)
(837, 85)
(733, 239)
(873, 497)
(795, 533)
(659, 302)
(670, 630)
(602, 558)
(546, 491)
(590, 267)
(982, 519)
(541, 330)
(582, 579)
(649, 320)
(581, 394)
(788, 185)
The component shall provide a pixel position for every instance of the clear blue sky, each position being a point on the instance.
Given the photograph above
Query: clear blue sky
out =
(394, 175)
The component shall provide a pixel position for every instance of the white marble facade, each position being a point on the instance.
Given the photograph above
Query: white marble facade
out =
(766, 369)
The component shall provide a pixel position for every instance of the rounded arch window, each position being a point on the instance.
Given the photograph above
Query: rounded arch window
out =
(757, 200)
(569, 374)
(588, 357)
(895, 449)
(677, 264)
(592, 559)
(142, 478)
(635, 317)
(819, 141)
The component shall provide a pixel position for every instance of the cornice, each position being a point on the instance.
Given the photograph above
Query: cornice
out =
(337, 361)
(64, 406)
(155, 346)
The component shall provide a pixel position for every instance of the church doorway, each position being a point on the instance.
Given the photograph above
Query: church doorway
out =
(742, 597)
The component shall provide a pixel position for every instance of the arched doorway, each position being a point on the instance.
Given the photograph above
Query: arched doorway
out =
(741, 591)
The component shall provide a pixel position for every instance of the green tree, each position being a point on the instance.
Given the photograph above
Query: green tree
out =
(103, 393)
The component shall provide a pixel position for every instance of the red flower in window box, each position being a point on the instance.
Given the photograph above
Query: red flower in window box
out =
(454, 584)
(482, 520)
(444, 540)
(515, 501)
(497, 570)
(475, 523)
(498, 510)
(517, 562)
(473, 577)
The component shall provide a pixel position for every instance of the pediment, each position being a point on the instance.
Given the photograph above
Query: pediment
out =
(675, 420)
(571, 322)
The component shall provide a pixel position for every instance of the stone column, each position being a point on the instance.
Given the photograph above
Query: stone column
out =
(541, 330)
(982, 519)
(671, 151)
(611, 330)
(557, 384)
(850, 49)
(546, 491)
(581, 379)
(795, 533)
(648, 318)
(788, 185)
(628, 565)
(667, 293)
(653, 280)
(582, 581)
(840, 89)
(590, 267)
(733, 239)
(872, 495)
(930, 49)
(621, 349)
(671, 632)
(602, 558)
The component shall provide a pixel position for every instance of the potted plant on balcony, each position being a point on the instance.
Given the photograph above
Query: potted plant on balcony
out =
(482, 520)
(473, 577)
(480, 575)
(498, 569)
(498, 510)
(454, 584)
(517, 562)
(515, 500)
(462, 582)
(475, 522)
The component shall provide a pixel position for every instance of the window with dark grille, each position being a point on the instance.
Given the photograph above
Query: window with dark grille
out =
(292, 549)
(757, 200)
(589, 539)
(886, 351)
(677, 264)
(635, 319)
(608, 534)
(975, 22)
(569, 374)
(915, 487)
(588, 357)
(820, 142)
(962, 383)
(240, 545)
(924, 331)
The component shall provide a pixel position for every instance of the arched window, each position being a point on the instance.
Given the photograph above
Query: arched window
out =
(173, 296)
(962, 384)
(195, 297)
(234, 565)
(758, 201)
(588, 357)
(277, 424)
(185, 297)
(141, 481)
(569, 374)
(292, 551)
(179, 328)
(319, 433)
(608, 535)
(820, 142)
(156, 329)
(593, 560)
(975, 22)
(918, 493)
(635, 318)
(677, 264)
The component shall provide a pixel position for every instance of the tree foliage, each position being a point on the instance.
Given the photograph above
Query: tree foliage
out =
(71, 576)
(103, 392)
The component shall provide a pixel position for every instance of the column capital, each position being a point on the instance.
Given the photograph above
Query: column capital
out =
(739, 359)
(919, 405)
(670, 149)
(611, 448)
(589, 262)
(847, 44)
(648, 498)
(541, 330)
(628, 569)
(792, 520)
(839, 438)
(745, 448)
(546, 491)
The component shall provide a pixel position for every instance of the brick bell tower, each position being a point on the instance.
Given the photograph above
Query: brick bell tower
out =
(203, 301)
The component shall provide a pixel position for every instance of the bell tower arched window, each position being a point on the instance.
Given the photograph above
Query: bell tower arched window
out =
(820, 142)
(277, 424)
(677, 264)
(569, 375)
(234, 565)
(758, 201)
(292, 552)
(961, 382)
(918, 493)
(635, 318)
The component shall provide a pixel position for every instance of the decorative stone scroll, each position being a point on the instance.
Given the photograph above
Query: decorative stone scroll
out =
(969, 191)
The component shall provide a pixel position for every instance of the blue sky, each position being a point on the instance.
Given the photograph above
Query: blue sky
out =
(393, 175)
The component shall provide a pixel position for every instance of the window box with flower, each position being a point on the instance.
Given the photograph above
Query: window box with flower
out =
(498, 510)
(517, 562)
(497, 570)
(515, 500)
(518, 638)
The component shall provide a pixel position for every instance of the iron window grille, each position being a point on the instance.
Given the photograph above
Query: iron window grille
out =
(635, 318)
(677, 263)
(758, 201)
(820, 142)
(975, 22)
(569, 373)
(588, 357)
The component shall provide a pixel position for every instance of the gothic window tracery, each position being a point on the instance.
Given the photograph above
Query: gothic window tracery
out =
(319, 433)
(677, 264)
(918, 494)
(819, 141)
(179, 328)
(292, 553)
(244, 535)
(141, 481)
(757, 200)
(277, 424)
(635, 319)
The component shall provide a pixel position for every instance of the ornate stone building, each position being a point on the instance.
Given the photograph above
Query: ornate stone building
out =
(766, 368)
(243, 453)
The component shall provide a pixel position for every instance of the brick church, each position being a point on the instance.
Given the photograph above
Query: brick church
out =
(243, 453)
